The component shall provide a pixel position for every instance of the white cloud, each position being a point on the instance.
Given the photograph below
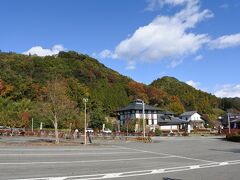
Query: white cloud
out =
(170, 38)
(224, 6)
(226, 41)
(198, 57)
(175, 63)
(40, 51)
(106, 53)
(193, 84)
(151, 5)
(131, 65)
(228, 90)
(166, 37)
(155, 4)
(94, 55)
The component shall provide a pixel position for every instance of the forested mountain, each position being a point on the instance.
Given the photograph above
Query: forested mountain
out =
(25, 82)
(231, 103)
(24, 76)
(189, 96)
(192, 98)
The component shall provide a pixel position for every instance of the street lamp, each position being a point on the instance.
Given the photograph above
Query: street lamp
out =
(85, 100)
(229, 124)
(143, 114)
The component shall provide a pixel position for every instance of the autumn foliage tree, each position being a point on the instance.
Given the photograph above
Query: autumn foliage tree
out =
(5, 89)
(175, 105)
(25, 119)
(137, 90)
(56, 105)
(157, 96)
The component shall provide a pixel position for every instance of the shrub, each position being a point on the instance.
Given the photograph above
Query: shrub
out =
(157, 132)
(233, 137)
(185, 134)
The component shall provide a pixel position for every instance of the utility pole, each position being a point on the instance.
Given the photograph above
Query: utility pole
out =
(229, 124)
(143, 114)
(85, 100)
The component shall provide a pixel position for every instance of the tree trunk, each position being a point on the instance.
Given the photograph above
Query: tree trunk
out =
(56, 130)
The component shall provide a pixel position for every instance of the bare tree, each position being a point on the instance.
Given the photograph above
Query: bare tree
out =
(56, 105)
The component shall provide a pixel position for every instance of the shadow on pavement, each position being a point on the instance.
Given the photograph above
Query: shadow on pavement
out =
(227, 150)
(167, 178)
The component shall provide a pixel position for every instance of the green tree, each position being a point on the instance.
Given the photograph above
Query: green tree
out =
(15, 113)
(97, 119)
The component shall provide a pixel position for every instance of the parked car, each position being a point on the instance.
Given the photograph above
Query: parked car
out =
(107, 131)
(90, 130)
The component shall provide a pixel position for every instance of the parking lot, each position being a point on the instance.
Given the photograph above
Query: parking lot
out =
(167, 158)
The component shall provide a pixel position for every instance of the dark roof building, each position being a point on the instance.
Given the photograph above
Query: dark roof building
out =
(169, 113)
(137, 105)
(234, 119)
(170, 120)
(170, 123)
(135, 111)
(153, 115)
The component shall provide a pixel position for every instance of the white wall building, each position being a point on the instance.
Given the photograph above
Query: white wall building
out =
(154, 117)
(194, 120)
(135, 111)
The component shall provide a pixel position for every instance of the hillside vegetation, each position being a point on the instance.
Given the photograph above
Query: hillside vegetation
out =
(189, 96)
(25, 83)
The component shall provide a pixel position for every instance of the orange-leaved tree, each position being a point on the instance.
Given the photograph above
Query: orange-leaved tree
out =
(56, 105)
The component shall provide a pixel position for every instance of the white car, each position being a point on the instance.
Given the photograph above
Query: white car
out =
(90, 130)
(108, 131)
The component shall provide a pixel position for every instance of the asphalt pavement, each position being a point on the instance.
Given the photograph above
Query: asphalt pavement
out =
(167, 158)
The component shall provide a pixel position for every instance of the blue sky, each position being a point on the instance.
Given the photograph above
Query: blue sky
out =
(196, 41)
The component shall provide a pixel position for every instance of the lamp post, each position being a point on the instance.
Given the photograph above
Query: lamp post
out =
(85, 100)
(229, 124)
(143, 114)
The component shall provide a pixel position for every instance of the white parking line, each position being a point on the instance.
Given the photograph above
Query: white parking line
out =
(82, 149)
(89, 161)
(140, 173)
(166, 154)
(72, 154)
